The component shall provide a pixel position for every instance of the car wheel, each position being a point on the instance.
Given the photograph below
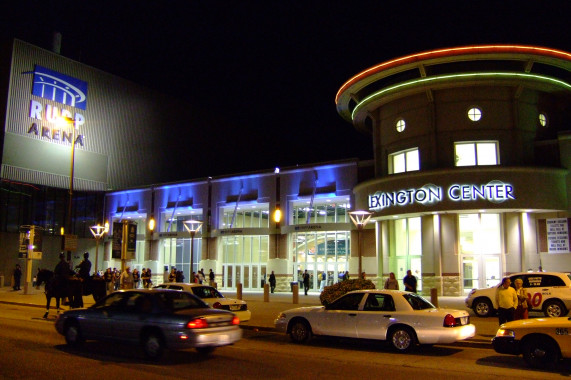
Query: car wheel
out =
(205, 350)
(300, 331)
(482, 307)
(153, 345)
(553, 309)
(73, 334)
(402, 339)
(540, 353)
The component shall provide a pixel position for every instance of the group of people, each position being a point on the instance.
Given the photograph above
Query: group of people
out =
(409, 281)
(115, 279)
(197, 277)
(512, 302)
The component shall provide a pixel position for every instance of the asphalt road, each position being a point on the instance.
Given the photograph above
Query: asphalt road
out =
(31, 349)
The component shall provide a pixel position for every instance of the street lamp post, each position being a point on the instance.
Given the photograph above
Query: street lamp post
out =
(192, 226)
(70, 122)
(360, 219)
(98, 231)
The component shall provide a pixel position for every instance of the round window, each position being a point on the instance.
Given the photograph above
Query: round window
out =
(400, 125)
(474, 114)
(543, 120)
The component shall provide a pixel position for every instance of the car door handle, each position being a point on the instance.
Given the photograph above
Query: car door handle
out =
(352, 315)
(386, 316)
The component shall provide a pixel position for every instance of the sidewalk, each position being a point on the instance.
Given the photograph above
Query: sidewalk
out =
(264, 313)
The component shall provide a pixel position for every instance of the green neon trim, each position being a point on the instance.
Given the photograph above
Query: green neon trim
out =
(455, 76)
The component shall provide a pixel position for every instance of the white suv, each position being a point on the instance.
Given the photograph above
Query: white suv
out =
(547, 292)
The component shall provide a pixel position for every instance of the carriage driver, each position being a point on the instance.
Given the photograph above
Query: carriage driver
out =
(84, 267)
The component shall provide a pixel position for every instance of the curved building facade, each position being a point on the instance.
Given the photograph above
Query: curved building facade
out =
(471, 149)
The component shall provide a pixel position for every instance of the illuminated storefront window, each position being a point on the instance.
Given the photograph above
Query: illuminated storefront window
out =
(470, 153)
(480, 246)
(408, 248)
(320, 252)
(404, 161)
(244, 261)
(176, 250)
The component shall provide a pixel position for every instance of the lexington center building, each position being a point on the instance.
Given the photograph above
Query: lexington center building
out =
(471, 158)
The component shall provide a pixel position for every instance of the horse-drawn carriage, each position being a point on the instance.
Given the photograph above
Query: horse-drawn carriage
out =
(73, 288)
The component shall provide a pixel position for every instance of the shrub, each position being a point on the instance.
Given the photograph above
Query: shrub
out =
(331, 293)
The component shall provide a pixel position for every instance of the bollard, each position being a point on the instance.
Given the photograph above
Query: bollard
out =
(434, 296)
(1, 281)
(215, 285)
(239, 291)
(295, 293)
(266, 292)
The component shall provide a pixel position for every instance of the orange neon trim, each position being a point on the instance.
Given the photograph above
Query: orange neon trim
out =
(451, 52)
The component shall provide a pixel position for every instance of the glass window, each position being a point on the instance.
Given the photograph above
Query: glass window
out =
(404, 161)
(543, 120)
(474, 114)
(480, 233)
(476, 153)
(323, 210)
(245, 216)
(400, 125)
(347, 302)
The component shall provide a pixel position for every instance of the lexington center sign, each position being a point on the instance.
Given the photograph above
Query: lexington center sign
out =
(429, 194)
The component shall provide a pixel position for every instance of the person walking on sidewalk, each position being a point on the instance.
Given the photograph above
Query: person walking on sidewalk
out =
(17, 277)
(305, 281)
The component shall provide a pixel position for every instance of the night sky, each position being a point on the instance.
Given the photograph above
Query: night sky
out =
(268, 71)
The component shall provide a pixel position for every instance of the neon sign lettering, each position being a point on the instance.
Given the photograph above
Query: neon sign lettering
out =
(494, 191)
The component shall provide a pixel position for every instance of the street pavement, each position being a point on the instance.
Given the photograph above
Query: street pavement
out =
(264, 313)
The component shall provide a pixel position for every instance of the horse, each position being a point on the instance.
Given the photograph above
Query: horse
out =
(52, 288)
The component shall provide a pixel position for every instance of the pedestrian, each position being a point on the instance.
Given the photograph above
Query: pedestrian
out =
(150, 276)
(323, 280)
(272, 281)
(392, 282)
(145, 278)
(127, 279)
(116, 279)
(179, 276)
(409, 282)
(521, 311)
(506, 298)
(363, 276)
(346, 276)
(136, 278)
(306, 281)
(172, 275)
(108, 278)
(17, 277)
(211, 277)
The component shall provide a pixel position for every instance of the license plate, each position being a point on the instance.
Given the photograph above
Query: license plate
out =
(235, 307)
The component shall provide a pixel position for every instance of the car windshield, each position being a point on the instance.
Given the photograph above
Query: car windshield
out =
(417, 302)
(206, 292)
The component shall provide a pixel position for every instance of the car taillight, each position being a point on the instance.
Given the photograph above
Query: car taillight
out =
(235, 321)
(449, 320)
(198, 323)
(217, 305)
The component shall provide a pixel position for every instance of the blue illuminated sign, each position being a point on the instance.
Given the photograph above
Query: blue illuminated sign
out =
(49, 84)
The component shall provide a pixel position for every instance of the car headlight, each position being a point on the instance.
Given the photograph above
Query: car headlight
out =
(506, 332)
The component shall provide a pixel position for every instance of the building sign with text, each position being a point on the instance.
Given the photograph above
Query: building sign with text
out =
(429, 194)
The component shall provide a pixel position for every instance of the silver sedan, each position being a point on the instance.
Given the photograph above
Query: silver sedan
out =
(154, 319)
(402, 318)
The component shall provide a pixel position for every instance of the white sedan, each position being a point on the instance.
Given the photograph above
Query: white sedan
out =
(213, 298)
(404, 319)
